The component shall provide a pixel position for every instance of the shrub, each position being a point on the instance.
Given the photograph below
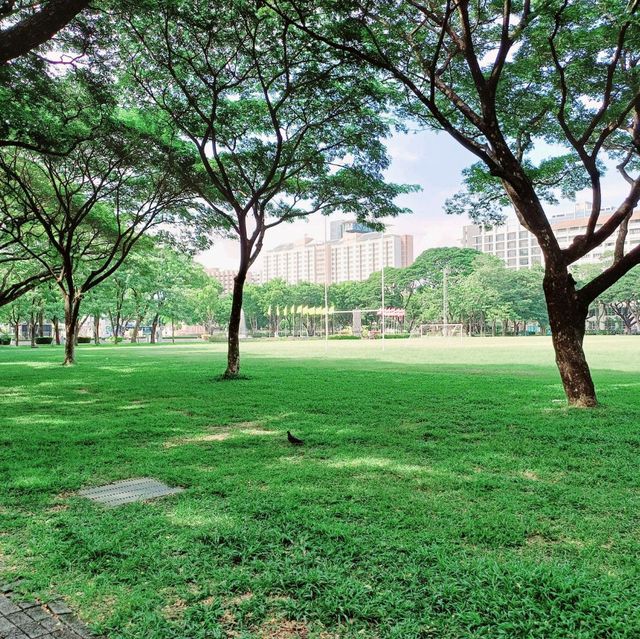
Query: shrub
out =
(84, 340)
(44, 340)
(395, 335)
(344, 337)
(5, 340)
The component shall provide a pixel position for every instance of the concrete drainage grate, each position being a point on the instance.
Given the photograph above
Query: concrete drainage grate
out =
(128, 491)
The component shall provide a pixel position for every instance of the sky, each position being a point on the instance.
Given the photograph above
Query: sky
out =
(432, 160)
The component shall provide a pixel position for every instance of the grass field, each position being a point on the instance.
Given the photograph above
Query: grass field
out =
(444, 490)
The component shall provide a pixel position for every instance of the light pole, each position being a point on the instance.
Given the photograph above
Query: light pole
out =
(445, 301)
(382, 283)
(326, 291)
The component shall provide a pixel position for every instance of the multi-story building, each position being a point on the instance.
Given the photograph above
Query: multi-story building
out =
(354, 253)
(226, 277)
(518, 248)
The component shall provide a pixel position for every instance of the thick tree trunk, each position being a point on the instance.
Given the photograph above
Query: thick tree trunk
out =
(115, 328)
(71, 314)
(17, 333)
(567, 318)
(56, 330)
(233, 342)
(136, 330)
(96, 330)
(154, 329)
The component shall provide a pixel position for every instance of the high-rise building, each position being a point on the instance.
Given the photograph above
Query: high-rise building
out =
(518, 248)
(338, 228)
(227, 276)
(353, 254)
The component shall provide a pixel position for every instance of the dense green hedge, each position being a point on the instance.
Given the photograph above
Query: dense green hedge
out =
(44, 340)
(84, 340)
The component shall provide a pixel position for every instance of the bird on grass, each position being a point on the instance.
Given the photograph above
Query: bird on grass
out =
(293, 439)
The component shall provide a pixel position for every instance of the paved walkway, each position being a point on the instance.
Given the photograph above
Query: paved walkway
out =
(34, 620)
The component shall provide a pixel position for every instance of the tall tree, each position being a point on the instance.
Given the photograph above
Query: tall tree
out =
(31, 25)
(85, 211)
(501, 77)
(280, 127)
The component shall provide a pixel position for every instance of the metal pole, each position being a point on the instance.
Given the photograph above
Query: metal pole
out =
(326, 292)
(382, 284)
(445, 301)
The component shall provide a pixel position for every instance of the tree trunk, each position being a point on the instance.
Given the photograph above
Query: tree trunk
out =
(56, 330)
(233, 340)
(136, 330)
(567, 318)
(173, 332)
(71, 314)
(41, 324)
(32, 330)
(96, 329)
(154, 329)
(17, 333)
(115, 328)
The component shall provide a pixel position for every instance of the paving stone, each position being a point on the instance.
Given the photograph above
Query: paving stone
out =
(10, 587)
(31, 620)
(33, 630)
(51, 624)
(65, 633)
(129, 490)
(19, 619)
(78, 627)
(38, 613)
(7, 606)
(5, 626)
(59, 608)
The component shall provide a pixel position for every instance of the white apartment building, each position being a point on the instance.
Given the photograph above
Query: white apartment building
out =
(518, 248)
(226, 277)
(352, 257)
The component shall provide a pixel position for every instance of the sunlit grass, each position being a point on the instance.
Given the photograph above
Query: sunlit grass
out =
(444, 489)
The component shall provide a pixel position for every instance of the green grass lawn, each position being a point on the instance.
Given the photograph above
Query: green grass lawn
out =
(444, 490)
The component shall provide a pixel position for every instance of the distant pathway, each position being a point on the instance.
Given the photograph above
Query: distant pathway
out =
(19, 620)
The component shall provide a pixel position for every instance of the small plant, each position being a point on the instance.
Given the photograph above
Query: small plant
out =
(44, 340)
(5, 340)
(84, 340)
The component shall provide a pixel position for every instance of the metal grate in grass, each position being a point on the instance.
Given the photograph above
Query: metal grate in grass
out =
(128, 491)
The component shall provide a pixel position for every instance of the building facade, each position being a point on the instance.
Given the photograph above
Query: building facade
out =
(227, 276)
(353, 255)
(518, 248)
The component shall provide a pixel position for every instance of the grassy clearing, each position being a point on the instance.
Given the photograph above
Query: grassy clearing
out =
(444, 490)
